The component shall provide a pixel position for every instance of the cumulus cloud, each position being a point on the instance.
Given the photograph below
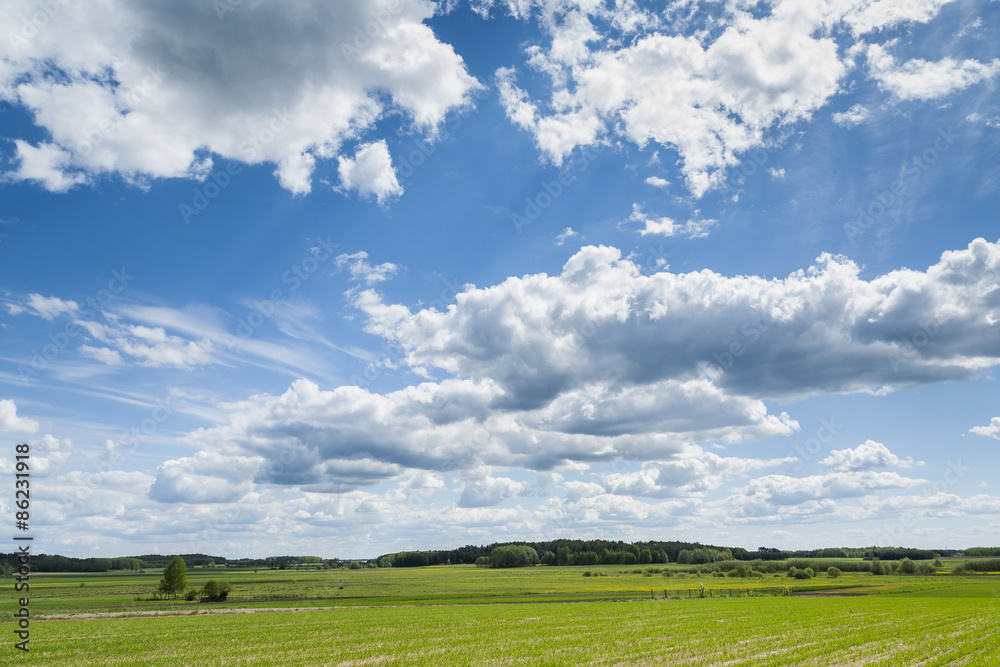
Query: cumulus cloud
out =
(487, 491)
(784, 490)
(48, 453)
(11, 423)
(711, 88)
(360, 268)
(867, 455)
(695, 472)
(205, 478)
(925, 80)
(856, 115)
(158, 90)
(692, 229)
(991, 430)
(864, 17)
(565, 234)
(370, 172)
(824, 329)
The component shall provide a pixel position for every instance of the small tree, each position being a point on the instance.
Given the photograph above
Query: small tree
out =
(907, 566)
(937, 562)
(876, 567)
(174, 577)
(833, 572)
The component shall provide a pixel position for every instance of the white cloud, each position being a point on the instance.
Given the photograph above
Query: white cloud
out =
(776, 174)
(487, 491)
(48, 454)
(856, 115)
(360, 269)
(146, 90)
(657, 182)
(925, 80)
(602, 320)
(779, 490)
(694, 473)
(370, 172)
(708, 101)
(205, 478)
(868, 16)
(50, 307)
(11, 423)
(867, 455)
(692, 229)
(47, 164)
(565, 234)
(991, 430)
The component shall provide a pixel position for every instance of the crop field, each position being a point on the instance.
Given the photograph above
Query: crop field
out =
(457, 615)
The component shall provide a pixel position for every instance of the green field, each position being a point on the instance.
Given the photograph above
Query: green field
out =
(455, 615)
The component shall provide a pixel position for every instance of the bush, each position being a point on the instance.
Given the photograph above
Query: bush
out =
(907, 566)
(587, 573)
(833, 572)
(796, 573)
(925, 568)
(877, 568)
(483, 561)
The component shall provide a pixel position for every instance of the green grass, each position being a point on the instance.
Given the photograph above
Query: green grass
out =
(750, 631)
(454, 615)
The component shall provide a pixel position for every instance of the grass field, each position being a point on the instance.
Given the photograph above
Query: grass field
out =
(454, 615)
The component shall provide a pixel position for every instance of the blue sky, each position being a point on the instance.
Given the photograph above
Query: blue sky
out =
(397, 274)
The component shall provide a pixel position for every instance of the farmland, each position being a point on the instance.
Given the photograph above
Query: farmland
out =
(541, 615)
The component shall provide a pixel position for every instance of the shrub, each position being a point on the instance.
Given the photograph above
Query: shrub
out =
(877, 567)
(925, 568)
(587, 573)
(483, 561)
(907, 566)
(833, 572)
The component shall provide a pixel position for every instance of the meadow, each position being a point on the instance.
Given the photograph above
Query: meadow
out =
(446, 615)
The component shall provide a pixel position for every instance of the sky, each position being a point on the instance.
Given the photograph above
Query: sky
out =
(343, 279)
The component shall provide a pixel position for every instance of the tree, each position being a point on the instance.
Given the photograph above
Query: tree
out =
(645, 556)
(216, 590)
(907, 566)
(876, 566)
(174, 577)
(564, 556)
(833, 572)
